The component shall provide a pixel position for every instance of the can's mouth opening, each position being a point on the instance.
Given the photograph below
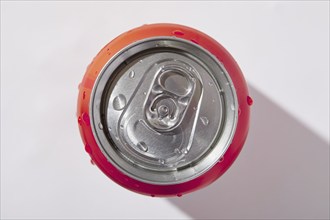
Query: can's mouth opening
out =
(164, 110)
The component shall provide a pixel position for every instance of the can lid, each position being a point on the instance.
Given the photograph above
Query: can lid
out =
(163, 110)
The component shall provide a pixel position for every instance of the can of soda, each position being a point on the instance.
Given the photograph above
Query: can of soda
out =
(163, 110)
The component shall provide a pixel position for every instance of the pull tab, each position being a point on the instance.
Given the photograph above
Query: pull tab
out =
(169, 97)
(162, 114)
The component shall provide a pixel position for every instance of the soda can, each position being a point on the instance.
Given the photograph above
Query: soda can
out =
(163, 110)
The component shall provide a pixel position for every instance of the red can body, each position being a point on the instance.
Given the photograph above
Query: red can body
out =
(146, 31)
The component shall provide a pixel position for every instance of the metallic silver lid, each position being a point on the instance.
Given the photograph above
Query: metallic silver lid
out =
(163, 110)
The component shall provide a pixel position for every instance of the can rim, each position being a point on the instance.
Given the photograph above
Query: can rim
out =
(95, 105)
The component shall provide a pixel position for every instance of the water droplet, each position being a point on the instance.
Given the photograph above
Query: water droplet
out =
(121, 126)
(144, 93)
(185, 151)
(132, 74)
(119, 102)
(109, 128)
(161, 161)
(232, 107)
(84, 95)
(100, 126)
(221, 159)
(152, 195)
(88, 149)
(239, 111)
(92, 162)
(80, 120)
(179, 195)
(142, 146)
(210, 83)
(249, 100)
(194, 108)
(140, 61)
(204, 120)
(194, 41)
(85, 118)
(178, 32)
(157, 45)
(177, 151)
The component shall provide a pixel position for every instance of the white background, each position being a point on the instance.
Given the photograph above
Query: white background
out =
(281, 47)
